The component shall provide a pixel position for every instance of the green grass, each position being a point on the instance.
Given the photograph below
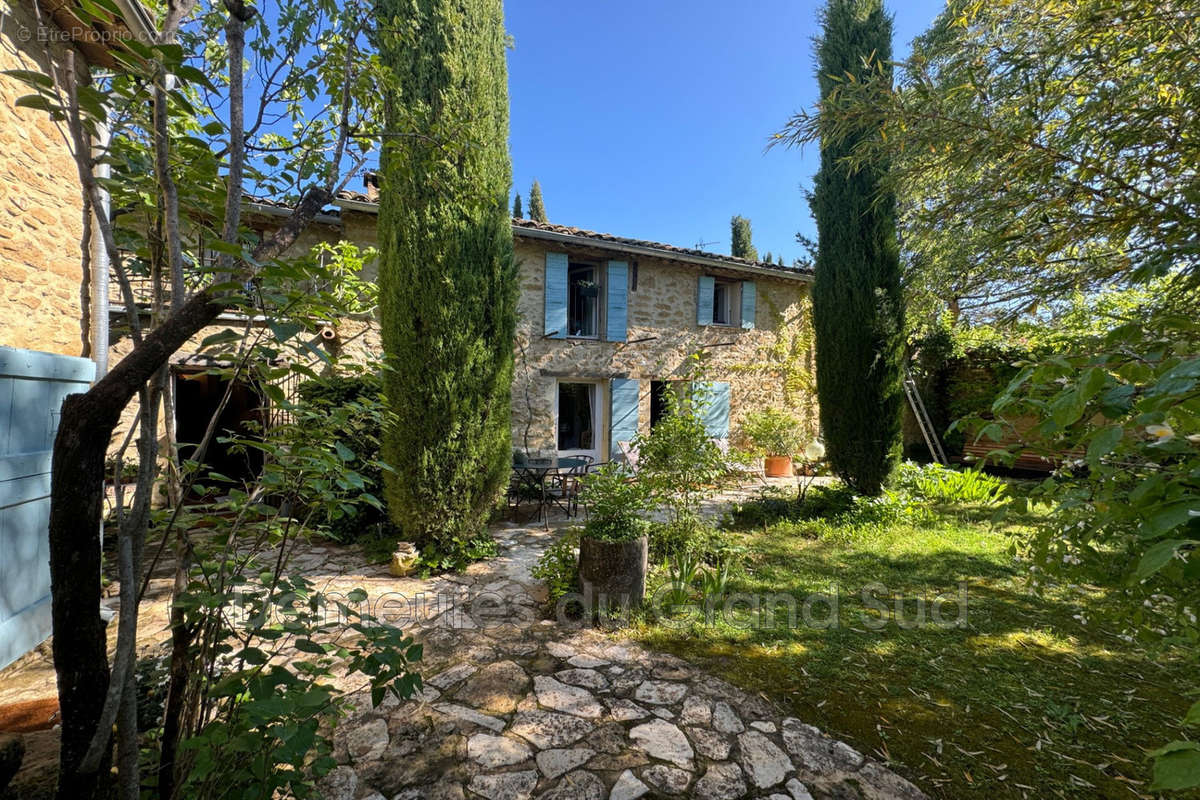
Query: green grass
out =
(1025, 700)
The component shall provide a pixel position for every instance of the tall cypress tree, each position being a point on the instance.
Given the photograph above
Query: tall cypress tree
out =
(537, 208)
(447, 276)
(858, 309)
(740, 238)
(518, 212)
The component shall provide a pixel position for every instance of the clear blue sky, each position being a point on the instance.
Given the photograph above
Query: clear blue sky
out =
(648, 119)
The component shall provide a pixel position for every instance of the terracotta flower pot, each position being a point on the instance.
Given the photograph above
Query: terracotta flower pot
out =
(613, 573)
(779, 466)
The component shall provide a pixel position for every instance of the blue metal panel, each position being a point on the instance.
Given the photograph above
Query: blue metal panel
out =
(32, 388)
(714, 408)
(556, 295)
(749, 304)
(623, 422)
(616, 283)
(704, 300)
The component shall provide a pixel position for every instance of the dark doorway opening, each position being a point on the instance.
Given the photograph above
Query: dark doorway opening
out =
(198, 395)
(658, 400)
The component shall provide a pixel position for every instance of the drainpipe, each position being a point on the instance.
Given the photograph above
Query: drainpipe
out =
(100, 267)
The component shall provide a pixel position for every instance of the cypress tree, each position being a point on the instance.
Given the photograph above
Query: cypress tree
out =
(741, 245)
(447, 276)
(858, 311)
(518, 212)
(537, 208)
(768, 258)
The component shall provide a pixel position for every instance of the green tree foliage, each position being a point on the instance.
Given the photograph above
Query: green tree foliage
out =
(447, 276)
(518, 212)
(770, 259)
(537, 206)
(1036, 153)
(1049, 154)
(858, 309)
(740, 240)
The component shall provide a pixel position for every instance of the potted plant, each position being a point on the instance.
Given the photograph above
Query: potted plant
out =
(776, 435)
(613, 546)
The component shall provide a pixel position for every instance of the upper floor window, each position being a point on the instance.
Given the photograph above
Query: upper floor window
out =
(726, 302)
(583, 300)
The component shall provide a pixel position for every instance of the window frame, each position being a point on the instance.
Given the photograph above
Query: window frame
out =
(732, 305)
(601, 275)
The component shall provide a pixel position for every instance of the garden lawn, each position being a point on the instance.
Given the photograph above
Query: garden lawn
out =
(1025, 700)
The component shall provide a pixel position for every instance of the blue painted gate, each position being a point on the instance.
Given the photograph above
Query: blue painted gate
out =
(32, 388)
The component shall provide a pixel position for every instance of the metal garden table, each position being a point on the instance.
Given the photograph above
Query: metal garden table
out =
(535, 472)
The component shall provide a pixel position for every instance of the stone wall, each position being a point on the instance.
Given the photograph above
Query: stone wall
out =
(40, 206)
(760, 364)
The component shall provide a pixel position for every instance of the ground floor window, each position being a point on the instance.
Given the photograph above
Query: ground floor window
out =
(579, 418)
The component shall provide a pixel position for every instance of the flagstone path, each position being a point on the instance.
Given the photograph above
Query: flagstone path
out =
(515, 706)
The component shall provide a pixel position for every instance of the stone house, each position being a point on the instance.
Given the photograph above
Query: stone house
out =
(607, 325)
(41, 210)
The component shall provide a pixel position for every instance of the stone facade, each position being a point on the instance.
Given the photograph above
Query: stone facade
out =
(761, 364)
(41, 208)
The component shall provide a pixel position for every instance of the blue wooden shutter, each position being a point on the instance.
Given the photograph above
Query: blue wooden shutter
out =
(32, 389)
(556, 295)
(713, 408)
(623, 416)
(749, 303)
(704, 300)
(616, 283)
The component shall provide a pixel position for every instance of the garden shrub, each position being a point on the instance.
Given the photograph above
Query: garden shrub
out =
(558, 566)
(670, 540)
(772, 432)
(941, 484)
(677, 460)
(354, 408)
(615, 505)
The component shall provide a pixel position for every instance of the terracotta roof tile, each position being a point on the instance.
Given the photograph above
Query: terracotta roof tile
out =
(733, 261)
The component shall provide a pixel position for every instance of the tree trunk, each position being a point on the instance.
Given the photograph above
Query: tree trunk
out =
(76, 505)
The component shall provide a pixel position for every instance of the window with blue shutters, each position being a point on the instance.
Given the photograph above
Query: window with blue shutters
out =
(556, 295)
(623, 423)
(616, 283)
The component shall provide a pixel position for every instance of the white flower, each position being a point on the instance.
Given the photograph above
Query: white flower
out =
(1194, 438)
(815, 450)
(1161, 433)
